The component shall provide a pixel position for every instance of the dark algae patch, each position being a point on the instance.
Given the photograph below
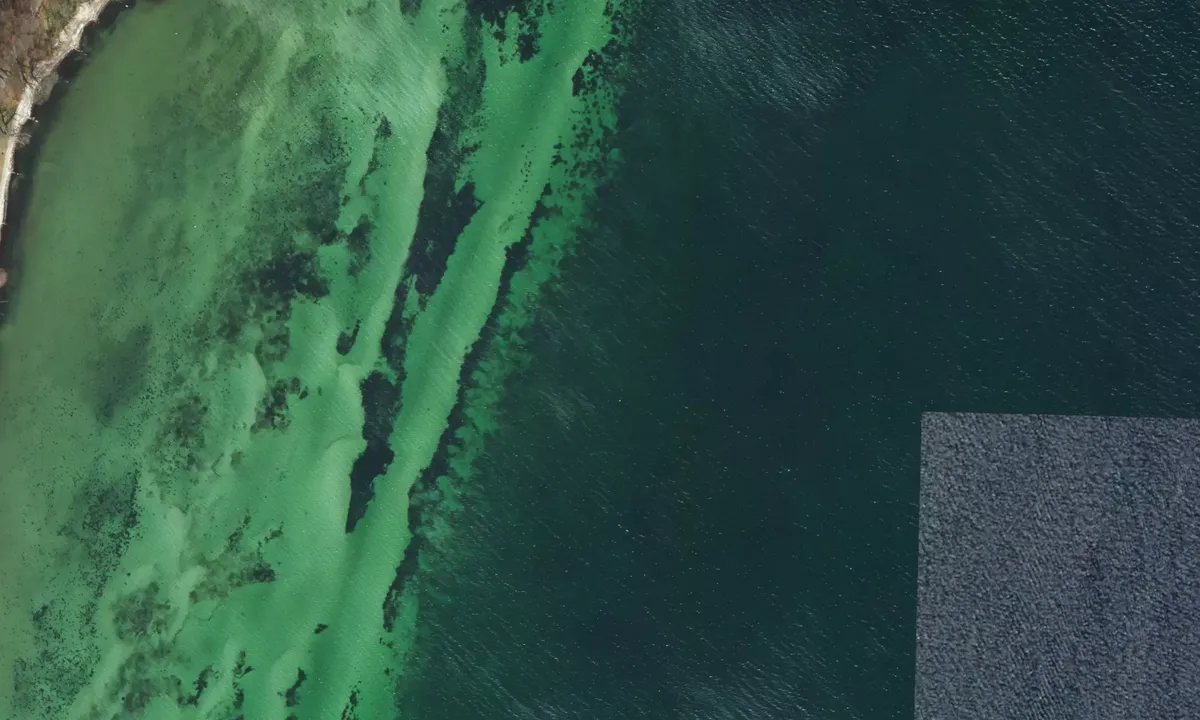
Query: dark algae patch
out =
(381, 404)
(445, 208)
(350, 711)
(345, 342)
(358, 242)
(381, 399)
(273, 410)
(497, 15)
(141, 613)
(291, 697)
(201, 684)
(119, 368)
(287, 275)
(395, 332)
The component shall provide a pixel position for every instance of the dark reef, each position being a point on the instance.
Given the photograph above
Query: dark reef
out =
(444, 210)
(381, 404)
(345, 342)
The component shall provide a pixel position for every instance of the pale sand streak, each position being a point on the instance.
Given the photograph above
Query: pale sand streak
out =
(68, 40)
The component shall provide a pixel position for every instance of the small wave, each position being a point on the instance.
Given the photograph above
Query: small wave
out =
(759, 56)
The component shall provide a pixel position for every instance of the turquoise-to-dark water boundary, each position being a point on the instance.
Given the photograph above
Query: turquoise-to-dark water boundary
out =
(832, 217)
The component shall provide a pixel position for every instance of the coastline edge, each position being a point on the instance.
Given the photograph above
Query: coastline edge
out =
(69, 40)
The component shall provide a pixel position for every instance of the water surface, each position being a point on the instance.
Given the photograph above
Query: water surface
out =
(560, 361)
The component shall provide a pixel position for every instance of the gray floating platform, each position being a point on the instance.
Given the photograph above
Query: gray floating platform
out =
(1059, 568)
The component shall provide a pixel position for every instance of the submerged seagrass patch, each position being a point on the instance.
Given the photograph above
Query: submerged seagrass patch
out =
(1059, 568)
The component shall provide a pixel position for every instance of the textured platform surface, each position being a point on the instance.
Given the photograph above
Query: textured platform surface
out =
(1059, 570)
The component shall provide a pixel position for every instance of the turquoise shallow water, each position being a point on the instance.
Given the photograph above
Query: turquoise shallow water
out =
(261, 254)
(498, 359)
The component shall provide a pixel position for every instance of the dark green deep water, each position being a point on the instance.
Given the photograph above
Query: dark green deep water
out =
(831, 218)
